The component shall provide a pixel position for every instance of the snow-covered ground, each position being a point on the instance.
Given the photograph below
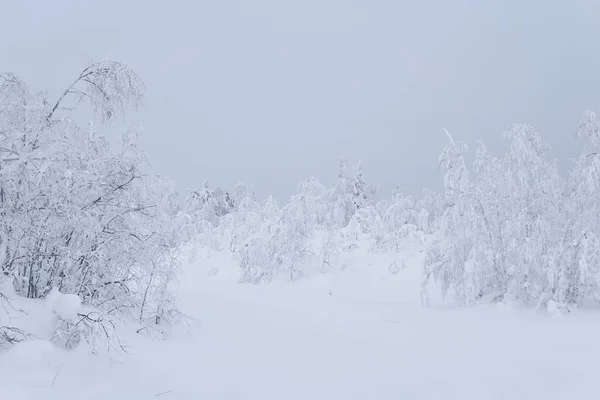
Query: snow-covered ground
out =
(358, 334)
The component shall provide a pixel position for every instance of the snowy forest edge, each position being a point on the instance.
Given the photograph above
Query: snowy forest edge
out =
(85, 226)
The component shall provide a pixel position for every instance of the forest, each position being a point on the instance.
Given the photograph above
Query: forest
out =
(79, 217)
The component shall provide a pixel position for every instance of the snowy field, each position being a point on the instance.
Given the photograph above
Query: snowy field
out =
(358, 334)
(138, 261)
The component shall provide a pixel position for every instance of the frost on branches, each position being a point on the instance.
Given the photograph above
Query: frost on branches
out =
(577, 276)
(514, 229)
(316, 231)
(78, 216)
(507, 228)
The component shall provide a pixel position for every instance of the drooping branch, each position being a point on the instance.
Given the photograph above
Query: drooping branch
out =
(110, 86)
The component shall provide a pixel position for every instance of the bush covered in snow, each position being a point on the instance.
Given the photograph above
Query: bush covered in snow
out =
(77, 215)
(514, 229)
(316, 231)
(510, 228)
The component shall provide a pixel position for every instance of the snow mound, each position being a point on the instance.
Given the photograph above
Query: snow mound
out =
(553, 309)
(66, 306)
(28, 353)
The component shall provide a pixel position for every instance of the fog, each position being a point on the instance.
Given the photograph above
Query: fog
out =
(271, 92)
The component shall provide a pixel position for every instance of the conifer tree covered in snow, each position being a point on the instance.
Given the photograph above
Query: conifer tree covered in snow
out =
(348, 194)
(78, 216)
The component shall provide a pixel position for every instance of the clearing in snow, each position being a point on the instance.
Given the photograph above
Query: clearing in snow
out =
(358, 334)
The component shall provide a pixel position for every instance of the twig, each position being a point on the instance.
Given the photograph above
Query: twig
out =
(12, 335)
(56, 376)
(4, 299)
(160, 394)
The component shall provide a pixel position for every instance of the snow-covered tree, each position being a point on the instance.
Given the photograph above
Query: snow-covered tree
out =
(499, 233)
(77, 215)
(448, 257)
(349, 193)
(576, 276)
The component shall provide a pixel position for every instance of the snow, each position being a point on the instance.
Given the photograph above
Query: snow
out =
(64, 306)
(357, 334)
(29, 353)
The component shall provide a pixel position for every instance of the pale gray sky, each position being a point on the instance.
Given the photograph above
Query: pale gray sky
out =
(271, 92)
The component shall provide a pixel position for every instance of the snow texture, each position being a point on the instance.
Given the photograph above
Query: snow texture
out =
(65, 306)
(370, 338)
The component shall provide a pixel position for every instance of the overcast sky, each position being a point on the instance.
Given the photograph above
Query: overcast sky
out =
(271, 92)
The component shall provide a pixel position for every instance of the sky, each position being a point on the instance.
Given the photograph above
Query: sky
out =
(272, 92)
